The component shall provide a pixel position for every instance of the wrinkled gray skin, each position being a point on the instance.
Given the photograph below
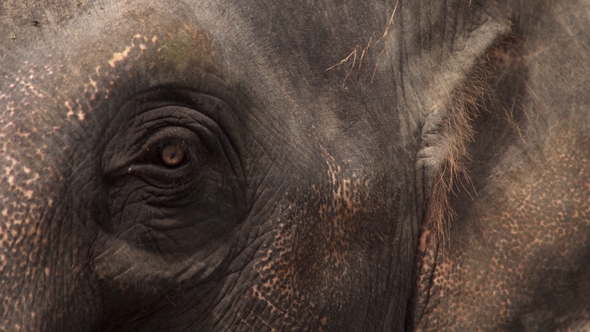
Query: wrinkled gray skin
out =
(305, 198)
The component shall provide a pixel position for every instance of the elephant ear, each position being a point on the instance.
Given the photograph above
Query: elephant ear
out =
(458, 99)
(444, 139)
(446, 134)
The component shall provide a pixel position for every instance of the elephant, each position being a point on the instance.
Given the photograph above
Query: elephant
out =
(385, 165)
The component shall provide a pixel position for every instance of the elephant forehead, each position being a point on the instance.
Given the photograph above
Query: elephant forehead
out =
(71, 72)
(131, 45)
(148, 34)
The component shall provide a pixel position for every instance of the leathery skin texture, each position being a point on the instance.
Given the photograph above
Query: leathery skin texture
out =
(282, 216)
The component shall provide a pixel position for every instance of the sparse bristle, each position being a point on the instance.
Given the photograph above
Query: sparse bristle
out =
(467, 102)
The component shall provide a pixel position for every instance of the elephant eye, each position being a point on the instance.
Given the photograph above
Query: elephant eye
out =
(166, 153)
(169, 150)
(172, 155)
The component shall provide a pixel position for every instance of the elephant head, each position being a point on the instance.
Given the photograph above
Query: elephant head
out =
(297, 165)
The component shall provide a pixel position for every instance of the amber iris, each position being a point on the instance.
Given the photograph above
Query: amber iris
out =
(172, 155)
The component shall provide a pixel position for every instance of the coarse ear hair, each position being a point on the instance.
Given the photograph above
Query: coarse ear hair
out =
(448, 130)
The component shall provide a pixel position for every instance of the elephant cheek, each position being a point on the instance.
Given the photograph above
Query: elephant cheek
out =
(322, 247)
(46, 283)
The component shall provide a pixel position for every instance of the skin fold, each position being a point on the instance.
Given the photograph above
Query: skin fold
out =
(300, 165)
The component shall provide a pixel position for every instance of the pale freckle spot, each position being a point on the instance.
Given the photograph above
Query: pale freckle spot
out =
(70, 110)
(5, 212)
(94, 84)
(81, 116)
(142, 47)
(23, 135)
(33, 315)
(154, 39)
(28, 194)
(117, 57)
(47, 271)
(32, 230)
(50, 203)
(26, 169)
(40, 154)
(35, 177)
(120, 56)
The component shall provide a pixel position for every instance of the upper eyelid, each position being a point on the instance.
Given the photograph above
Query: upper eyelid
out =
(170, 135)
(184, 144)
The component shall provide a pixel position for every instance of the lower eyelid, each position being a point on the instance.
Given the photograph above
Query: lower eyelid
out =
(163, 173)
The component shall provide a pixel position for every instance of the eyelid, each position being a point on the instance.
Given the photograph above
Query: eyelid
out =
(170, 134)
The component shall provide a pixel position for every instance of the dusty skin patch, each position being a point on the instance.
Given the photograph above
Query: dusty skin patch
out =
(79, 107)
(176, 51)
